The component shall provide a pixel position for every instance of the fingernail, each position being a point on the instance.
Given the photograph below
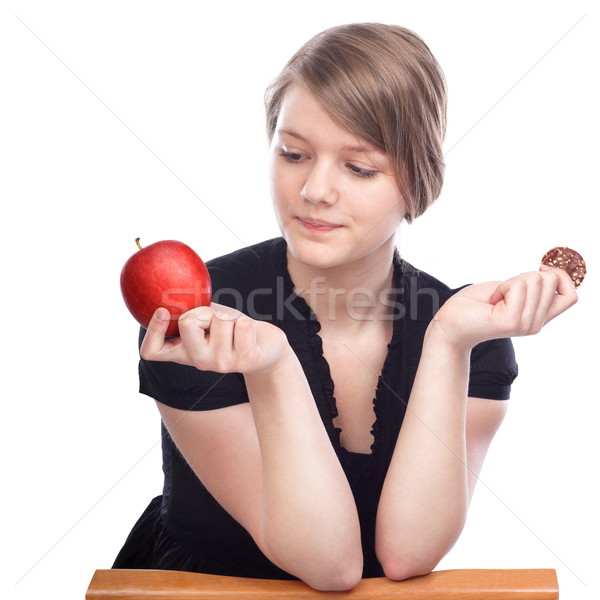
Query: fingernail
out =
(545, 268)
(203, 313)
(162, 314)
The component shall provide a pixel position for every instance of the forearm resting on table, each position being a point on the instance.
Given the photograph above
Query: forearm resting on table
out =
(425, 495)
(309, 522)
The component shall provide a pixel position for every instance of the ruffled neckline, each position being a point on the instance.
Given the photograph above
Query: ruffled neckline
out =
(364, 462)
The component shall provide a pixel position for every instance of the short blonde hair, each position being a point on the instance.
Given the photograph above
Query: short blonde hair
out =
(384, 85)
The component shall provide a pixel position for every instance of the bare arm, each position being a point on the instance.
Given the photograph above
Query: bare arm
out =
(445, 436)
(309, 514)
(270, 464)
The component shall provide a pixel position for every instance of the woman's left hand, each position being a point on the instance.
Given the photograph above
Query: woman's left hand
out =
(519, 306)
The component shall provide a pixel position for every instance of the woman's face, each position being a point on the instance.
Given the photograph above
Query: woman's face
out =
(335, 197)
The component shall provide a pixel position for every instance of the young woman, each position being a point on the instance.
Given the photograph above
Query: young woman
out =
(327, 417)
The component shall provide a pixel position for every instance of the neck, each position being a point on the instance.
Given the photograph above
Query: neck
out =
(349, 297)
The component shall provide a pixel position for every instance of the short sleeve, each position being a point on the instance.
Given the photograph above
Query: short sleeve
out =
(493, 369)
(188, 388)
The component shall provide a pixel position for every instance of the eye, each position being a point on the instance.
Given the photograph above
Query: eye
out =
(293, 157)
(360, 172)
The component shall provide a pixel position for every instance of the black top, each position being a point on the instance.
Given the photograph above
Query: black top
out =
(185, 528)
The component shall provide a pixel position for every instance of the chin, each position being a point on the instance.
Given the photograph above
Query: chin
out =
(314, 254)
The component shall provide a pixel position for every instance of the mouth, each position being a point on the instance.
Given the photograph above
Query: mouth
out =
(317, 223)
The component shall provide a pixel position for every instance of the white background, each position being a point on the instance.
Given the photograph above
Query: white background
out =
(126, 119)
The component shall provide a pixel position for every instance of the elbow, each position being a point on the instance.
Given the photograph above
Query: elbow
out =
(403, 561)
(398, 569)
(333, 566)
(325, 574)
(336, 578)
(398, 572)
(334, 582)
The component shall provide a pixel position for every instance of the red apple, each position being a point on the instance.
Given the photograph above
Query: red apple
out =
(165, 274)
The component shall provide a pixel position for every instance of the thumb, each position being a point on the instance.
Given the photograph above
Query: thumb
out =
(154, 340)
(497, 296)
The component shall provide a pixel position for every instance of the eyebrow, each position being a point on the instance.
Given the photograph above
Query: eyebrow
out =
(352, 148)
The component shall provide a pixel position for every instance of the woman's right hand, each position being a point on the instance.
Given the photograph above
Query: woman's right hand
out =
(216, 338)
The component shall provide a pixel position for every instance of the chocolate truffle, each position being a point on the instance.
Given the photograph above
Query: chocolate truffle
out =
(567, 259)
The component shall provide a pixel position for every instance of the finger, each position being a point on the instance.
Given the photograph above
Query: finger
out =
(564, 296)
(154, 340)
(221, 341)
(194, 328)
(496, 297)
(497, 292)
(534, 288)
(198, 317)
(226, 312)
(510, 297)
(244, 337)
(546, 300)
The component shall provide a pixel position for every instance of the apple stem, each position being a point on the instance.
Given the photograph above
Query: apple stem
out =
(137, 241)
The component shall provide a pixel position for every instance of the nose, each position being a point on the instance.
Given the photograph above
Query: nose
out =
(320, 186)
